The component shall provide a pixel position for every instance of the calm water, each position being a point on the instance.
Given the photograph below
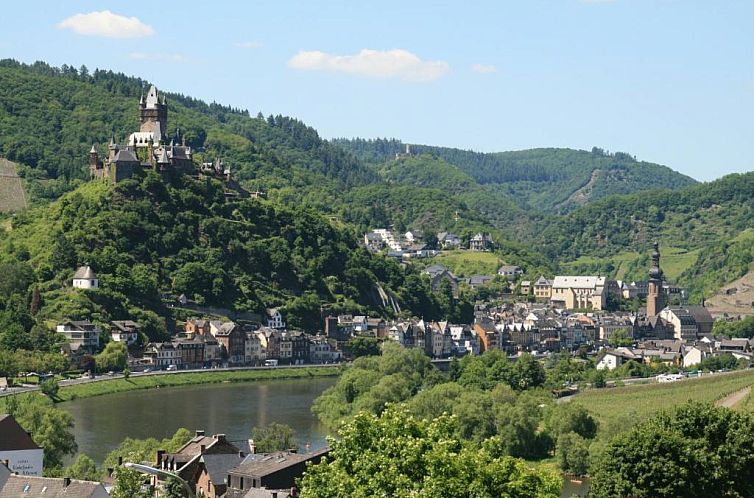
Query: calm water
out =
(103, 422)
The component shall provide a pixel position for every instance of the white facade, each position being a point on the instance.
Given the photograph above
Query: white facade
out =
(85, 278)
(24, 462)
(275, 319)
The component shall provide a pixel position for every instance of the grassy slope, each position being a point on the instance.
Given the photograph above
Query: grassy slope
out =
(467, 263)
(12, 195)
(617, 409)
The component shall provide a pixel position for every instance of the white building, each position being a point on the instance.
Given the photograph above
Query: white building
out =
(275, 319)
(23, 455)
(253, 348)
(80, 333)
(85, 278)
(124, 331)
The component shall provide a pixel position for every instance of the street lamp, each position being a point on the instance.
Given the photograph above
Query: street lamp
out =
(146, 469)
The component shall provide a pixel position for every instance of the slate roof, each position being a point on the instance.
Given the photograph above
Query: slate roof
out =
(85, 272)
(125, 156)
(125, 325)
(13, 437)
(46, 487)
(219, 465)
(260, 464)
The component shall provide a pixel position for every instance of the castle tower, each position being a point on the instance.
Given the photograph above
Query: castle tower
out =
(655, 294)
(153, 115)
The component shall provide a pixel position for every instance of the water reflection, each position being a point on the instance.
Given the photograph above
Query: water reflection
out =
(233, 409)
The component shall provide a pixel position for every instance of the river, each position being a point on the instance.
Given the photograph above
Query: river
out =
(102, 422)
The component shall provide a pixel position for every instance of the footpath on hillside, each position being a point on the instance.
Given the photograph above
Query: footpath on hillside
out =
(735, 398)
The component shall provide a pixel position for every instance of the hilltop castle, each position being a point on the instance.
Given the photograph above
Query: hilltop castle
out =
(147, 148)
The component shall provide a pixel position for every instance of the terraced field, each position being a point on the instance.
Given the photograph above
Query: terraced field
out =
(12, 195)
(618, 409)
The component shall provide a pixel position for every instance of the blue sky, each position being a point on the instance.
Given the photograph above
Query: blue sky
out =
(668, 81)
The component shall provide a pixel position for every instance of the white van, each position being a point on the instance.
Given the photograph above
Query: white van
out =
(172, 368)
(270, 363)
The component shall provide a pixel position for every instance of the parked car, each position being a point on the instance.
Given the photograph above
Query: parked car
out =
(172, 368)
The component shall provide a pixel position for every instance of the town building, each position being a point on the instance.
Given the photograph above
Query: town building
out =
(24, 456)
(275, 470)
(439, 274)
(543, 289)
(510, 271)
(481, 242)
(448, 240)
(80, 334)
(22, 486)
(584, 292)
(124, 331)
(163, 355)
(275, 318)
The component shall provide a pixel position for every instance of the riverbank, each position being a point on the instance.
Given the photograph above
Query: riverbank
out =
(135, 383)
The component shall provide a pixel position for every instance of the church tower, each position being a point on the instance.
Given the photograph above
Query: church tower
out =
(153, 115)
(655, 294)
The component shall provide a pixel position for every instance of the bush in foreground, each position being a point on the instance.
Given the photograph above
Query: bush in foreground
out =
(395, 454)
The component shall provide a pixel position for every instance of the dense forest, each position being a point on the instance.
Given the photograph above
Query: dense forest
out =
(549, 180)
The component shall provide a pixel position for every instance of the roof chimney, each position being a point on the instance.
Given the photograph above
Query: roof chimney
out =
(199, 433)
(66, 482)
(202, 448)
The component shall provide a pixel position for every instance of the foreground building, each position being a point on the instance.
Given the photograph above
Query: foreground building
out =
(23, 456)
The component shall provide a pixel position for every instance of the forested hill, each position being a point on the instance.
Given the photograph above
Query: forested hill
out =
(50, 117)
(550, 180)
(705, 233)
(152, 236)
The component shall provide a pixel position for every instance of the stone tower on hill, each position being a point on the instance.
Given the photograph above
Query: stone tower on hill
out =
(655, 294)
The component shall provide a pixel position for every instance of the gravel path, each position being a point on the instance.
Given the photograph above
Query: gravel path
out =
(733, 399)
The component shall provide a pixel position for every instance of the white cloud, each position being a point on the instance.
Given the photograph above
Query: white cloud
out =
(247, 44)
(483, 68)
(143, 56)
(396, 63)
(105, 23)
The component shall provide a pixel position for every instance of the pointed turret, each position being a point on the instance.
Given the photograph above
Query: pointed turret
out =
(152, 97)
(92, 150)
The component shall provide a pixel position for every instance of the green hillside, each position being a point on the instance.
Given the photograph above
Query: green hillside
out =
(704, 229)
(152, 235)
(548, 180)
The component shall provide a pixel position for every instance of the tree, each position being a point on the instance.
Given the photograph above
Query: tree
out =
(570, 417)
(50, 388)
(130, 484)
(113, 357)
(50, 428)
(395, 454)
(274, 437)
(173, 489)
(572, 452)
(620, 338)
(527, 373)
(698, 450)
(363, 346)
(599, 379)
(83, 468)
